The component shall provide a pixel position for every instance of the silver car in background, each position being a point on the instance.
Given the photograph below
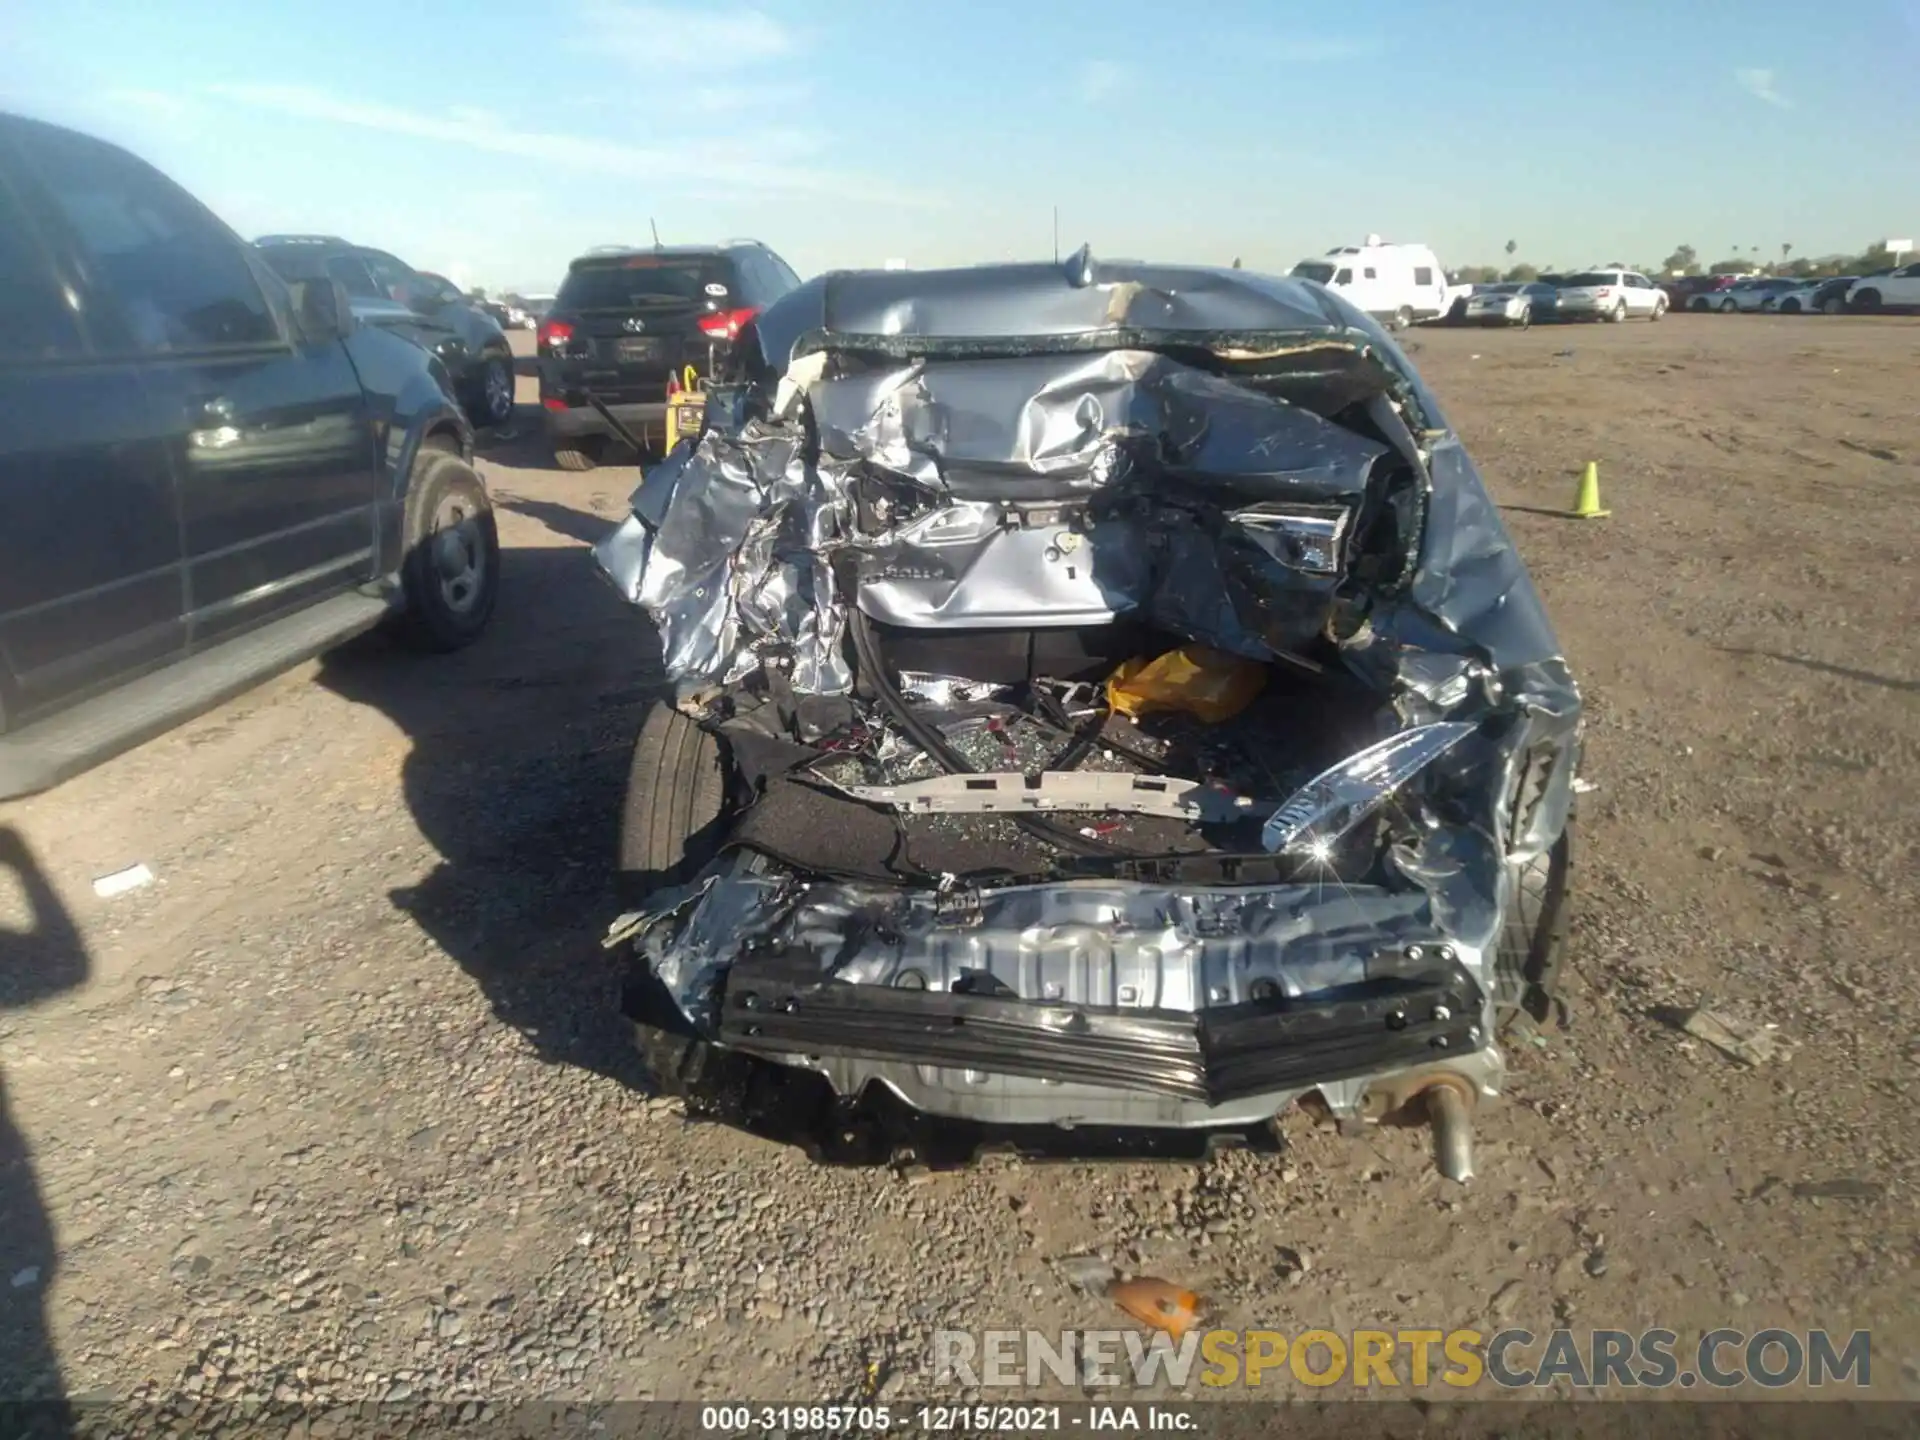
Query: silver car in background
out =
(1754, 295)
(1512, 303)
(1610, 295)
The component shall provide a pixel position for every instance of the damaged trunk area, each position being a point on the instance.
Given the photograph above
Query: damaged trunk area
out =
(1045, 755)
(1088, 754)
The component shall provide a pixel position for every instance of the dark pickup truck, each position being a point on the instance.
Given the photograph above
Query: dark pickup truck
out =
(206, 474)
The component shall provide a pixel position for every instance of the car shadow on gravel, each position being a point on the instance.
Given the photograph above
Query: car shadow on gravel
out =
(519, 752)
(44, 958)
(1842, 672)
(520, 441)
(581, 525)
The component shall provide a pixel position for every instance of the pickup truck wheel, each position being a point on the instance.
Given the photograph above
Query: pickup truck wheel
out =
(1528, 957)
(493, 396)
(581, 454)
(451, 571)
(676, 789)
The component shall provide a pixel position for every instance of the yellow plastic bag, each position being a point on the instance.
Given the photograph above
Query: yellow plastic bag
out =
(1194, 679)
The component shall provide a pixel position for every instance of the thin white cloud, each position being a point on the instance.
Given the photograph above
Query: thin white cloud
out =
(747, 163)
(1100, 79)
(1759, 84)
(153, 104)
(729, 99)
(657, 35)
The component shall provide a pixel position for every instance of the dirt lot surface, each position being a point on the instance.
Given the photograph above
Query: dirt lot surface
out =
(341, 1105)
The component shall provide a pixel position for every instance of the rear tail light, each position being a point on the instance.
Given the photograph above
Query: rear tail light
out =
(726, 324)
(554, 333)
(1603, 292)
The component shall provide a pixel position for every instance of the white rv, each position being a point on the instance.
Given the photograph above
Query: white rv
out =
(1395, 283)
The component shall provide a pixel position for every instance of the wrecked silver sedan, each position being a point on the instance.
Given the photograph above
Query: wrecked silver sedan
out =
(1105, 696)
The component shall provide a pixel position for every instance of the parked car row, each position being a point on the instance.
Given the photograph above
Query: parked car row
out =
(1616, 295)
(1888, 289)
(1611, 295)
(216, 459)
(510, 317)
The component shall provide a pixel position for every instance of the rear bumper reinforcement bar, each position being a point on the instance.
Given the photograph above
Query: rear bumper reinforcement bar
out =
(777, 1006)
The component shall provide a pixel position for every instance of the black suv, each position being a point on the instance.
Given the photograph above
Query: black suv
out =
(427, 309)
(206, 475)
(626, 322)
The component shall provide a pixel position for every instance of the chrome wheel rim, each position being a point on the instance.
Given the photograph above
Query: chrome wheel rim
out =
(499, 390)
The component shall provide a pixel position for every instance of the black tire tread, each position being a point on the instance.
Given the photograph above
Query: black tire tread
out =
(568, 458)
(423, 624)
(1533, 938)
(676, 790)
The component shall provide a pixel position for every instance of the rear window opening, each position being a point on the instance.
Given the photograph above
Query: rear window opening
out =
(643, 281)
(1592, 277)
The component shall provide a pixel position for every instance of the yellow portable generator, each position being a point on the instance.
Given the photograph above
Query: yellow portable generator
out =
(686, 407)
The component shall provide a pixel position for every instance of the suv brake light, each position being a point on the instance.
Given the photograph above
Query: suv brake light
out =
(554, 332)
(726, 324)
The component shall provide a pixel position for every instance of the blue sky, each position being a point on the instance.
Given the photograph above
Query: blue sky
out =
(494, 140)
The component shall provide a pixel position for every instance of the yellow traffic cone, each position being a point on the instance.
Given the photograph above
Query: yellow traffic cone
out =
(1587, 505)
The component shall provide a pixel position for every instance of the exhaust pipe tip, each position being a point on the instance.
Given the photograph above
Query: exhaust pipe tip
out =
(1448, 1115)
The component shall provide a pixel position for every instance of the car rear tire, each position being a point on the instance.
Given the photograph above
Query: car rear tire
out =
(581, 454)
(676, 791)
(1868, 300)
(1727, 307)
(492, 402)
(1618, 314)
(1659, 310)
(450, 574)
(1789, 307)
(1530, 952)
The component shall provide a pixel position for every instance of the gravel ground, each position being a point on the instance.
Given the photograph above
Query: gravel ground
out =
(341, 1106)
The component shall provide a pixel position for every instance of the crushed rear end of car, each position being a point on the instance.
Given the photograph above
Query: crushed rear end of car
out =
(1134, 717)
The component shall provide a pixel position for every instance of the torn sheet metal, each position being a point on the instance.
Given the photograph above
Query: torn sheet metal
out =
(1155, 947)
(1132, 487)
(727, 549)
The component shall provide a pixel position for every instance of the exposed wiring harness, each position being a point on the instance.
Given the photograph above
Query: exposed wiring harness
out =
(872, 670)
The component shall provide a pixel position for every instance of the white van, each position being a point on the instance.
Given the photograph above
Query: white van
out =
(1395, 283)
